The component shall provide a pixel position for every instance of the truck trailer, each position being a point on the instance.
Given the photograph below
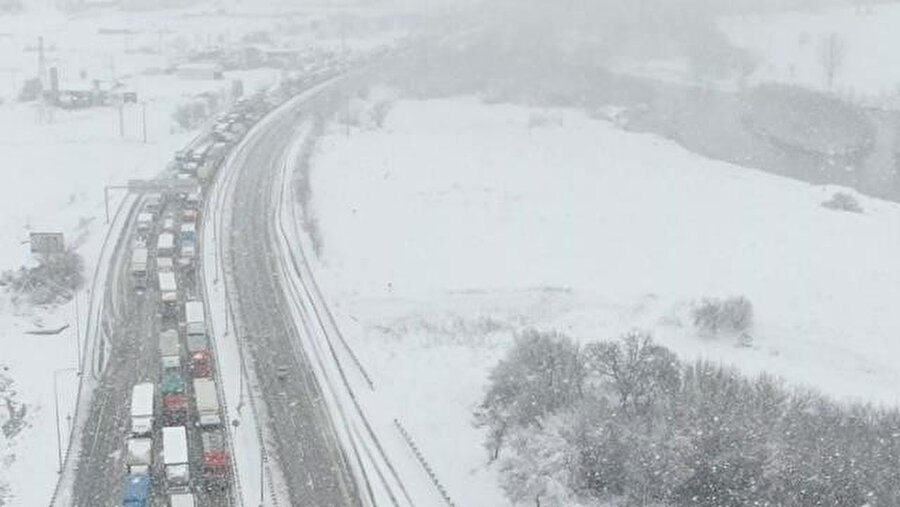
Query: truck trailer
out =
(195, 319)
(175, 458)
(170, 349)
(207, 400)
(215, 459)
(168, 290)
(138, 455)
(142, 409)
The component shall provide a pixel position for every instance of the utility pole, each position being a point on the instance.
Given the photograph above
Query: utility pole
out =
(121, 109)
(77, 331)
(56, 405)
(144, 119)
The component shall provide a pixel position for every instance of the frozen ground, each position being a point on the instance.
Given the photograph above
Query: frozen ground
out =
(457, 224)
(788, 45)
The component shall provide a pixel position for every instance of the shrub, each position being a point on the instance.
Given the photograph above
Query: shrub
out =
(842, 201)
(731, 315)
(54, 280)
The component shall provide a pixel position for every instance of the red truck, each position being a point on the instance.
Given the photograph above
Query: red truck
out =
(200, 364)
(175, 408)
(215, 460)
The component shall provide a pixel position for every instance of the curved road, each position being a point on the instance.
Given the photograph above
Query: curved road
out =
(310, 456)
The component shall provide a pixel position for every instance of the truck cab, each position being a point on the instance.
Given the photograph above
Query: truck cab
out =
(137, 491)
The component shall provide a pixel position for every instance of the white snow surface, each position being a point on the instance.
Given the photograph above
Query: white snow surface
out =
(459, 223)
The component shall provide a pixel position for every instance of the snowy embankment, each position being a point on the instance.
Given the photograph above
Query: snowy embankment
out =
(458, 224)
(790, 45)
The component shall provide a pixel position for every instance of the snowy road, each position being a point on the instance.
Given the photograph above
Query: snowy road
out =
(314, 465)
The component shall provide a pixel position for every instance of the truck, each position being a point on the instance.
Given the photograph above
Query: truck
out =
(214, 465)
(182, 500)
(172, 382)
(199, 364)
(188, 251)
(175, 408)
(170, 349)
(194, 319)
(139, 262)
(137, 491)
(165, 245)
(138, 452)
(188, 231)
(144, 222)
(207, 402)
(164, 265)
(168, 290)
(153, 204)
(196, 343)
(139, 268)
(142, 409)
(175, 459)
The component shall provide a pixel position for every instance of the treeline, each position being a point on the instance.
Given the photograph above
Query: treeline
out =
(626, 423)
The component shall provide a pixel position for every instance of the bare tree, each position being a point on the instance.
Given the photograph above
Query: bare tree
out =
(831, 55)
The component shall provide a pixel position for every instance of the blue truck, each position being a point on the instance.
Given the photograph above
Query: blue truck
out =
(137, 491)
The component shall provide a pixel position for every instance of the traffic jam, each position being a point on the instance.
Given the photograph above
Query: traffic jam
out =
(177, 447)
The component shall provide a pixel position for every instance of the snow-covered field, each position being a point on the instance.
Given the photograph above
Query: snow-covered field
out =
(458, 223)
(789, 46)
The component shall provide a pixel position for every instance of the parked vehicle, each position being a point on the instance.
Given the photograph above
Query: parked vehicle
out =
(188, 251)
(193, 199)
(139, 262)
(142, 409)
(164, 265)
(139, 268)
(188, 215)
(172, 382)
(182, 500)
(207, 400)
(138, 455)
(168, 290)
(215, 459)
(194, 318)
(137, 491)
(170, 349)
(153, 203)
(175, 408)
(199, 365)
(144, 222)
(188, 231)
(175, 459)
(197, 342)
(165, 245)
(169, 224)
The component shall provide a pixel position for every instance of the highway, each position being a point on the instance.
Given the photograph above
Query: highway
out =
(134, 322)
(312, 461)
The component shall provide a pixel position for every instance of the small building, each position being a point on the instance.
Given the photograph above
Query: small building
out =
(199, 71)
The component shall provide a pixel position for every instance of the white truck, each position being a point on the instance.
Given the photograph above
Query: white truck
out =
(175, 458)
(138, 455)
(207, 402)
(170, 349)
(144, 222)
(194, 318)
(139, 268)
(139, 262)
(168, 289)
(182, 500)
(142, 409)
(165, 245)
(164, 264)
